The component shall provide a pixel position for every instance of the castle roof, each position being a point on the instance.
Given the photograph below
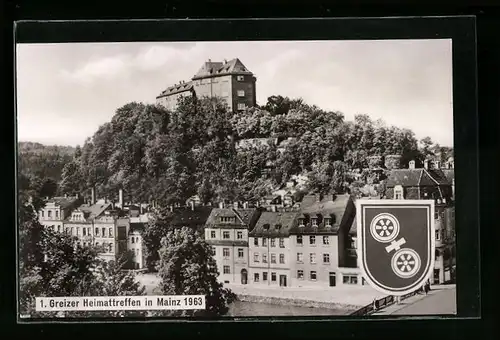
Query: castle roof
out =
(213, 69)
(177, 88)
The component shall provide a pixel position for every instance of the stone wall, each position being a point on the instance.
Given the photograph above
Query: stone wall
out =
(297, 302)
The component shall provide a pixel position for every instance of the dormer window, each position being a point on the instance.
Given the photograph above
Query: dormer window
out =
(266, 226)
(398, 192)
(277, 226)
(314, 222)
(301, 222)
(240, 78)
(327, 222)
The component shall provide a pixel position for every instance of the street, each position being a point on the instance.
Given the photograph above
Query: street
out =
(440, 301)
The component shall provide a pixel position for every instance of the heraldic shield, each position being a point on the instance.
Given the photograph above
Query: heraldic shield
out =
(396, 243)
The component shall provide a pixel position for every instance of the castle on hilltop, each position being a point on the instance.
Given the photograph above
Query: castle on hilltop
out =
(229, 80)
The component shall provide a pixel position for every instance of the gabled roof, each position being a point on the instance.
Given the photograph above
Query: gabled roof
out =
(95, 210)
(274, 224)
(244, 217)
(63, 202)
(327, 207)
(417, 177)
(211, 68)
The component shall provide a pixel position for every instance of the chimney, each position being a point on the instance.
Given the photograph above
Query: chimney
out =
(426, 164)
(411, 164)
(221, 205)
(92, 196)
(192, 205)
(120, 198)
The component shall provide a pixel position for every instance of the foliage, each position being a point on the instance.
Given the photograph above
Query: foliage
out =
(151, 152)
(188, 268)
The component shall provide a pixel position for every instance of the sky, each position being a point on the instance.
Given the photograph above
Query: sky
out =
(66, 91)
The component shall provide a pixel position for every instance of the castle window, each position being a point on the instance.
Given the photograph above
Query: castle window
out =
(241, 93)
(240, 78)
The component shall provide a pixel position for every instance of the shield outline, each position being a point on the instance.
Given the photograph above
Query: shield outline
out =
(380, 203)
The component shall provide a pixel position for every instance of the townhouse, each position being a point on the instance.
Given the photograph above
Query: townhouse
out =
(226, 230)
(319, 243)
(269, 248)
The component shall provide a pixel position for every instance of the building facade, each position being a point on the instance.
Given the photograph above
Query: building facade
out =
(431, 182)
(318, 240)
(229, 80)
(226, 230)
(56, 210)
(269, 249)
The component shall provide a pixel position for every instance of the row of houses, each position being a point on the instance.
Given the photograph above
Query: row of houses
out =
(274, 242)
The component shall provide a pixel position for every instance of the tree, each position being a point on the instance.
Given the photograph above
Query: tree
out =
(157, 228)
(188, 268)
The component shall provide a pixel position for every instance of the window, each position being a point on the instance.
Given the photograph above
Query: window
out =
(111, 248)
(97, 231)
(282, 258)
(103, 232)
(72, 231)
(326, 240)
(256, 241)
(227, 270)
(225, 252)
(240, 252)
(214, 251)
(241, 93)
(212, 234)
(264, 258)
(282, 243)
(256, 277)
(241, 106)
(137, 239)
(273, 258)
(301, 222)
(110, 232)
(84, 232)
(299, 239)
(59, 229)
(42, 213)
(133, 239)
(264, 276)
(350, 279)
(273, 242)
(326, 258)
(312, 275)
(312, 240)
(57, 213)
(314, 222)
(264, 242)
(312, 257)
(438, 235)
(300, 274)
(225, 234)
(49, 213)
(300, 257)
(327, 222)
(240, 78)
(256, 257)
(239, 235)
(273, 277)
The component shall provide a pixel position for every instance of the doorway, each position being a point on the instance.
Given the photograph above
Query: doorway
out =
(333, 279)
(244, 276)
(437, 273)
(283, 280)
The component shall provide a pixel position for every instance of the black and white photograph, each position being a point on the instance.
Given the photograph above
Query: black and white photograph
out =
(230, 170)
